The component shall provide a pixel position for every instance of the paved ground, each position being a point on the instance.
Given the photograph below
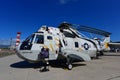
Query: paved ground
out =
(105, 68)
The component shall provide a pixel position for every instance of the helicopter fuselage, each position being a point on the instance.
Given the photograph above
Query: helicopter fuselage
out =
(58, 44)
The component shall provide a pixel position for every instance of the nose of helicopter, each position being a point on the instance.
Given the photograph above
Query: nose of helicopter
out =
(18, 52)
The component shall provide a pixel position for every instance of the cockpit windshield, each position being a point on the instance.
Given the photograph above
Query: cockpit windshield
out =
(30, 38)
(27, 44)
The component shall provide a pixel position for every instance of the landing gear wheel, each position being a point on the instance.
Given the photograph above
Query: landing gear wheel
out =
(70, 66)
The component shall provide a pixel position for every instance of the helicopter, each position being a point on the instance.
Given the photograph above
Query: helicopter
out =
(63, 42)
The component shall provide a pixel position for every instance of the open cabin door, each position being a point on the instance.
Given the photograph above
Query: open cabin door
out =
(52, 45)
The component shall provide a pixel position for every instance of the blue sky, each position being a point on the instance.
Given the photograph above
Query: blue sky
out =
(27, 16)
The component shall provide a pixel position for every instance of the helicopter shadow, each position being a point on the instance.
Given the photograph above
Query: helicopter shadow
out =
(25, 64)
(54, 64)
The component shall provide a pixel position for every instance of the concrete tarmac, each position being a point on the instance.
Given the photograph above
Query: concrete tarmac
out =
(105, 68)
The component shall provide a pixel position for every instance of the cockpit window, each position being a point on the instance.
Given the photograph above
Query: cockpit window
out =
(39, 39)
(30, 39)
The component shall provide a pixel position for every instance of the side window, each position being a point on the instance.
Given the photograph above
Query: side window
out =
(76, 45)
(68, 34)
(39, 39)
(49, 38)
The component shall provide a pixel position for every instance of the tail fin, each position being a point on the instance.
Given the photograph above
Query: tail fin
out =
(105, 43)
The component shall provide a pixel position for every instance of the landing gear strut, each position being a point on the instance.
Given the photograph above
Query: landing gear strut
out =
(69, 63)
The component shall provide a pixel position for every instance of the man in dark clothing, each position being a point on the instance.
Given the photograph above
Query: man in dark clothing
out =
(44, 54)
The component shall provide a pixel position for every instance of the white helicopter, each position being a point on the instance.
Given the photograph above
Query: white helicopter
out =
(63, 42)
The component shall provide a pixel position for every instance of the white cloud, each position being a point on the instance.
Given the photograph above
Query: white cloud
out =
(63, 1)
(66, 1)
